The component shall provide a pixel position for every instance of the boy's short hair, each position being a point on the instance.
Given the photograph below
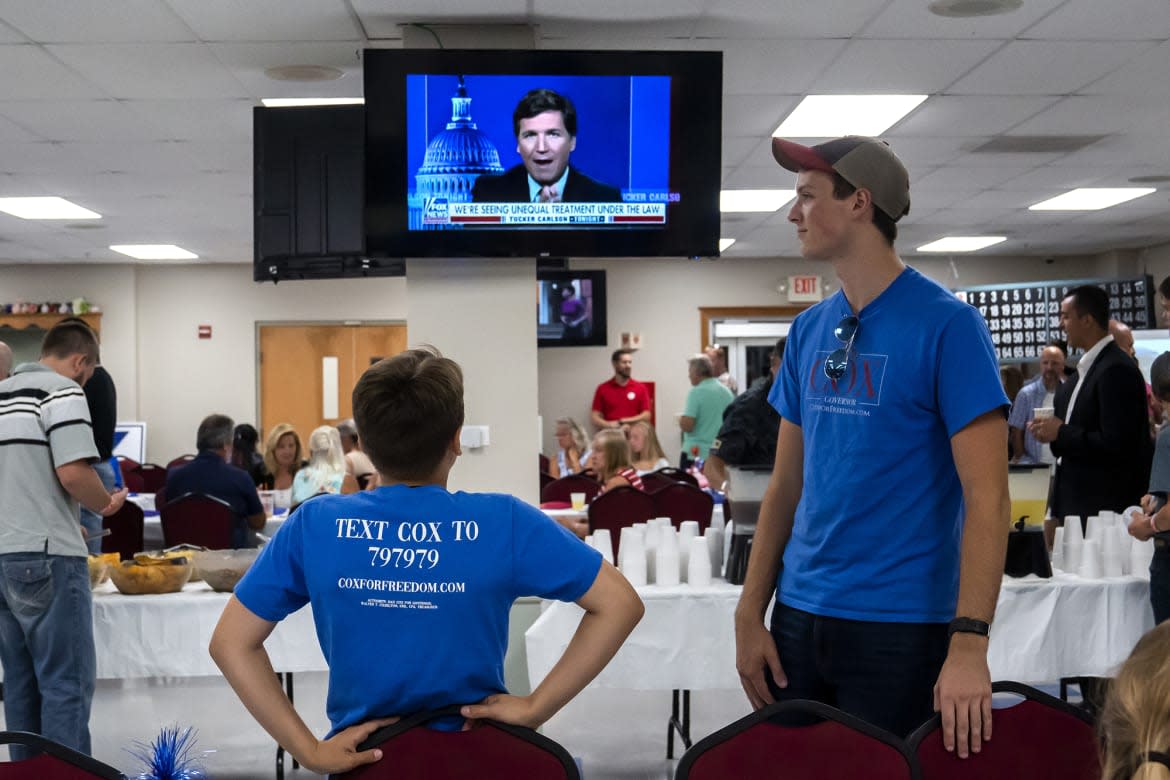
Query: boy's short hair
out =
(408, 409)
(1160, 377)
(71, 338)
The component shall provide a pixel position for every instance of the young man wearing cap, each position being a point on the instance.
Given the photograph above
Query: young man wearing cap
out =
(891, 509)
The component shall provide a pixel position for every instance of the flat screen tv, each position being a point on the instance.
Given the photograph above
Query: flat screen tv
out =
(570, 309)
(542, 153)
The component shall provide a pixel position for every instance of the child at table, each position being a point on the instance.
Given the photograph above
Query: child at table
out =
(411, 584)
(1136, 721)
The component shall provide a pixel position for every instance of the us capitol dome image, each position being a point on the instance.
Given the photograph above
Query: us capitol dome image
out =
(454, 159)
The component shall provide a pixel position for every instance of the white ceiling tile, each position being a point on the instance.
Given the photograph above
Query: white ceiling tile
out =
(616, 10)
(768, 67)
(964, 179)
(785, 19)
(196, 120)
(969, 115)
(9, 35)
(37, 158)
(912, 19)
(268, 20)
(1096, 20)
(922, 153)
(1018, 160)
(77, 120)
(70, 21)
(1058, 176)
(11, 133)
(31, 74)
(736, 149)
(152, 71)
(1143, 75)
(138, 158)
(1045, 67)
(634, 36)
(1128, 151)
(901, 67)
(1099, 115)
(248, 61)
(756, 115)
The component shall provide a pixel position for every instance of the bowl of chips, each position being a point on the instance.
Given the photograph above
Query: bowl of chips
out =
(138, 577)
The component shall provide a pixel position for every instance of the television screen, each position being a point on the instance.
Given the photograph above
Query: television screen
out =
(542, 153)
(570, 308)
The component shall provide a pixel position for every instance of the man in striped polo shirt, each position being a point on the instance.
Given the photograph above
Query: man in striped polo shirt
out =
(46, 612)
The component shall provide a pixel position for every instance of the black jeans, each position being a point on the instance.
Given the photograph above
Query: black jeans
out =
(883, 673)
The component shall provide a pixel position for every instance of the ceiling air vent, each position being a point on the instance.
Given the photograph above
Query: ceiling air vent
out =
(1037, 144)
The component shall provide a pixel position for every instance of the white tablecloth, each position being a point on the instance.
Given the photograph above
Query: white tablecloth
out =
(1043, 630)
(166, 635)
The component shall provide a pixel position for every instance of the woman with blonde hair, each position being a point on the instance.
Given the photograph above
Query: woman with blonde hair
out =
(572, 449)
(611, 461)
(646, 453)
(282, 458)
(1135, 722)
(325, 472)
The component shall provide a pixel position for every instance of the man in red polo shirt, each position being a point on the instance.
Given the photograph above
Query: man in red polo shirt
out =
(621, 401)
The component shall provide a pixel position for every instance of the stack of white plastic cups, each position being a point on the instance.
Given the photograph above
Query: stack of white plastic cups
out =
(1058, 562)
(687, 530)
(603, 543)
(666, 557)
(698, 563)
(1074, 540)
(632, 555)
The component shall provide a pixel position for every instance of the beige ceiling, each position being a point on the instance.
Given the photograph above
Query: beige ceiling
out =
(141, 109)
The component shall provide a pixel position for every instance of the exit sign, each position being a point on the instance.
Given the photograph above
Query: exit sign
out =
(804, 289)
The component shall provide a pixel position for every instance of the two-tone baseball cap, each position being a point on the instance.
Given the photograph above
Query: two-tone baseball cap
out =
(866, 163)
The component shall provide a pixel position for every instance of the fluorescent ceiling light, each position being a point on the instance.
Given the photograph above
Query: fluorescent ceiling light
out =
(154, 251)
(962, 243)
(45, 208)
(829, 116)
(725, 244)
(754, 200)
(1091, 198)
(288, 102)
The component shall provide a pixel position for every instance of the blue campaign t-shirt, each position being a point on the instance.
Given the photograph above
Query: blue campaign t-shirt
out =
(877, 529)
(411, 588)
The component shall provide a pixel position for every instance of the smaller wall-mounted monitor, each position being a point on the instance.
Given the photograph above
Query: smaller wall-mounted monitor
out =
(570, 309)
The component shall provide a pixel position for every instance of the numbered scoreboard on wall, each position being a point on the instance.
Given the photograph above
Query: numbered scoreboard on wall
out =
(1024, 317)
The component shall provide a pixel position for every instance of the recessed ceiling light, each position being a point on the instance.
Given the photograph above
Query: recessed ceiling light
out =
(754, 200)
(304, 73)
(154, 251)
(1091, 198)
(290, 102)
(725, 244)
(962, 243)
(966, 9)
(45, 208)
(829, 116)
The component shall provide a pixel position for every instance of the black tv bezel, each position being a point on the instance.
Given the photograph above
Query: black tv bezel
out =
(695, 159)
(600, 335)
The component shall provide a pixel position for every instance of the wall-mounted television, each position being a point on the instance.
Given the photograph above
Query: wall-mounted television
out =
(570, 309)
(542, 153)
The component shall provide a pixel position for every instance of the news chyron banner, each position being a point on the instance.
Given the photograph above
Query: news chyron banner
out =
(439, 211)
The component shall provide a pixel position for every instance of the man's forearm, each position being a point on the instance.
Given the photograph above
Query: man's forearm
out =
(84, 485)
(984, 547)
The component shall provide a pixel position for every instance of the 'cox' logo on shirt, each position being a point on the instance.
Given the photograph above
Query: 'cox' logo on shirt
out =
(862, 381)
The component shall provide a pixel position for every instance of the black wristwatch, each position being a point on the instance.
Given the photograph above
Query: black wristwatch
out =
(966, 625)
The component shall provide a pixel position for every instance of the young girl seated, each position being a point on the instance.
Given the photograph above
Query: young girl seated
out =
(646, 453)
(1135, 723)
(611, 461)
(411, 584)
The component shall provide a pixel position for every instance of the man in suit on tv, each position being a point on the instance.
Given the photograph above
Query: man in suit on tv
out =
(1100, 432)
(545, 124)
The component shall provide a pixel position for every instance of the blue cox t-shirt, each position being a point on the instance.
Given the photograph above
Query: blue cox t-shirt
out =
(411, 589)
(877, 529)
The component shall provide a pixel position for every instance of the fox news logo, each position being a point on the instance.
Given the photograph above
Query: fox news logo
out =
(435, 212)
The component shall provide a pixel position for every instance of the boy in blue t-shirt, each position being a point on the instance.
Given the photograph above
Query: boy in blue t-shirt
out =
(411, 584)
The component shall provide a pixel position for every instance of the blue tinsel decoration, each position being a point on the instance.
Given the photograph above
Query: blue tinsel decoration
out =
(168, 757)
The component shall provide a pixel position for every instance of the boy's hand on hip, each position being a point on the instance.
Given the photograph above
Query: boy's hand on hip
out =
(505, 708)
(339, 753)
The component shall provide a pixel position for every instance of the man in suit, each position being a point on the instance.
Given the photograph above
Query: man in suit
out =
(1099, 432)
(545, 124)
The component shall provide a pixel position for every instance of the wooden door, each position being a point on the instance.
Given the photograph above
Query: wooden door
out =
(298, 364)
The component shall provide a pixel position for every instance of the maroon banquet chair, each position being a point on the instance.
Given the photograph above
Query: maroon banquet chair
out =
(199, 519)
(798, 740)
(134, 482)
(678, 475)
(619, 508)
(154, 477)
(652, 481)
(561, 489)
(54, 762)
(126, 531)
(489, 751)
(683, 501)
(180, 461)
(1039, 738)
